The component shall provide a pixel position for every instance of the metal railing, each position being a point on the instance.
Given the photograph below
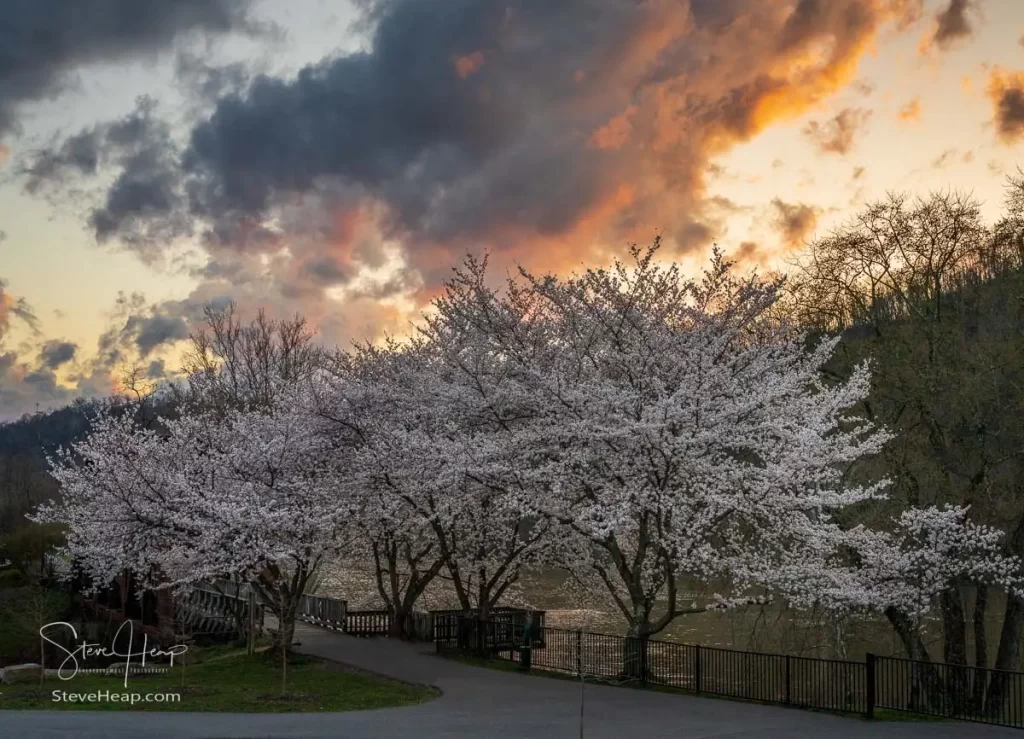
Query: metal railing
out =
(951, 691)
(930, 688)
(446, 630)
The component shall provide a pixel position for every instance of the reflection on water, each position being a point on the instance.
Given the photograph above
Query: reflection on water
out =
(773, 629)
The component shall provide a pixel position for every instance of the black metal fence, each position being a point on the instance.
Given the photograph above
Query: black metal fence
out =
(952, 691)
(938, 689)
(448, 634)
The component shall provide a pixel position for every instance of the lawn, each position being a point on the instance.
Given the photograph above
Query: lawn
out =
(229, 680)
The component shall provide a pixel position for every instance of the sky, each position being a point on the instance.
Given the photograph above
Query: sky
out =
(337, 159)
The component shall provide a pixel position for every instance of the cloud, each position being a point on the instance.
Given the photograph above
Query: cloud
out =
(951, 25)
(548, 133)
(206, 82)
(156, 370)
(1005, 90)
(140, 204)
(24, 385)
(468, 64)
(951, 155)
(794, 222)
(46, 41)
(55, 353)
(156, 330)
(15, 308)
(911, 112)
(749, 252)
(858, 172)
(836, 136)
(137, 330)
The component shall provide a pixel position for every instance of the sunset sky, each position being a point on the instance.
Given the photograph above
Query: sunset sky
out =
(338, 158)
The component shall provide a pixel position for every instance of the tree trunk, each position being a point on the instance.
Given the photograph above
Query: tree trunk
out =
(1007, 655)
(954, 650)
(122, 591)
(980, 649)
(165, 616)
(285, 634)
(400, 596)
(634, 652)
(925, 683)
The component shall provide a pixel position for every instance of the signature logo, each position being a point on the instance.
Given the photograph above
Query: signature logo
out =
(70, 666)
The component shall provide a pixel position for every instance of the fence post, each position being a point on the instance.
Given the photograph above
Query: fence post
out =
(787, 680)
(696, 669)
(579, 653)
(869, 685)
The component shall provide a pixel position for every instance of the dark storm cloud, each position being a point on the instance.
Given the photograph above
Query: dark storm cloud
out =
(55, 353)
(535, 128)
(44, 41)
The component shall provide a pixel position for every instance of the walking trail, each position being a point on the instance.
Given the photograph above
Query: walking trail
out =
(482, 703)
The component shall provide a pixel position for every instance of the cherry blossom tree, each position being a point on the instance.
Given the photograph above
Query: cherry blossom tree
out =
(429, 473)
(243, 483)
(246, 494)
(676, 427)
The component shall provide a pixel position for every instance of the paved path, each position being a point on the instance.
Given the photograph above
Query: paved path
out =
(479, 703)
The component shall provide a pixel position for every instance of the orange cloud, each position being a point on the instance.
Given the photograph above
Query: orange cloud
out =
(610, 141)
(469, 64)
(749, 252)
(1005, 90)
(794, 222)
(615, 133)
(911, 112)
(664, 139)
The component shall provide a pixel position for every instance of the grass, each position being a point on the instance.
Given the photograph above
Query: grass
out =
(228, 680)
(504, 665)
